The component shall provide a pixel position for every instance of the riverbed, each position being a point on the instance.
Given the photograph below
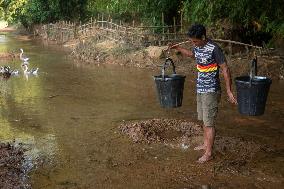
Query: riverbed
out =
(69, 117)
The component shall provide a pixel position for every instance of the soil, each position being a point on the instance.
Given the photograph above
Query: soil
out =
(13, 174)
(168, 131)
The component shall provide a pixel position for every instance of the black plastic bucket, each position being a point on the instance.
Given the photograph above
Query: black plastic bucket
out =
(252, 94)
(170, 90)
(170, 87)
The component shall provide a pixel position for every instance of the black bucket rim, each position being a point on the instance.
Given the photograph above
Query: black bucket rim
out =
(169, 77)
(256, 80)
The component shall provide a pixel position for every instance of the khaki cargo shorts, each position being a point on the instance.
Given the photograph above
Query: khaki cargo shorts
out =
(207, 107)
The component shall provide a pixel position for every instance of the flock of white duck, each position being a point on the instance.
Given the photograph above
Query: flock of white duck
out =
(6, 71)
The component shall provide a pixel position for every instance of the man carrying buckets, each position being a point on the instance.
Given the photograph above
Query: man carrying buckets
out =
(209, 58)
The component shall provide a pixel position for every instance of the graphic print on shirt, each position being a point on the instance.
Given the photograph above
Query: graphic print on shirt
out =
(208, 68)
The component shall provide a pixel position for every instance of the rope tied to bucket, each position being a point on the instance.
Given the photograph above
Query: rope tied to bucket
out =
(167, 63)
(253, 69)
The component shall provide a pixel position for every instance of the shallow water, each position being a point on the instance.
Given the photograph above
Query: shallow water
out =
(69, 116)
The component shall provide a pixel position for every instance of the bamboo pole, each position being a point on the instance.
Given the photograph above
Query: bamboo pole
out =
(163, 24)
(175, 29)
(168, 34)
(175, 45)
(181, 22)
(102, 20)
(237, 43)
(141, 33)
(98, 19)
(230, 49)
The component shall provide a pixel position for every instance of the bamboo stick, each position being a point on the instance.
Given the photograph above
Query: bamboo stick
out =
(181, 21)
(163, 24)
(175, 29)
(175, 45)
(237, 43)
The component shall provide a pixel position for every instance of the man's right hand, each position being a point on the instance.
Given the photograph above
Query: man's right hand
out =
(232, 98)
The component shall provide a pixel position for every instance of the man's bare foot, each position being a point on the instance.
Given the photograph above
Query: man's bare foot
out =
(205, 158)
(201, 147)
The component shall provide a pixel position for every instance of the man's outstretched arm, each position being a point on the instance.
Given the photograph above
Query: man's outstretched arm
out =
(183, 51)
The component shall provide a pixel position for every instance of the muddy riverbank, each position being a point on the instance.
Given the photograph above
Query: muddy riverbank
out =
(97, 49)
(235, 157)
(71, 115)
(103, 51)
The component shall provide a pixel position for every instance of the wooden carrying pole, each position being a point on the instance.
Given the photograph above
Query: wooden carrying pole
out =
(237, 43)
(175, 45)
(220, 40)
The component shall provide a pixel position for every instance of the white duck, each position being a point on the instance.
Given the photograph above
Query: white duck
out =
(31, 71)
(25, 63)
(25, 69)
(24, 58)
(15, 72)
(34, 71)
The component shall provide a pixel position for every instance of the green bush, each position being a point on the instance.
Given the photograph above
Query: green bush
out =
(253, 17)
(257, 15)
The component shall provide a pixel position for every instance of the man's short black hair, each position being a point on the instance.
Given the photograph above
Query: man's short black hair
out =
(197, 31)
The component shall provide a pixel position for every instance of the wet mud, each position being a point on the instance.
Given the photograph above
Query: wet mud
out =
(13, 173)
(161, 130)
(234, 157)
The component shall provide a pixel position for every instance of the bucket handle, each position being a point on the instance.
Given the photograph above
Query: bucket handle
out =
(253, 70)
(167, 63)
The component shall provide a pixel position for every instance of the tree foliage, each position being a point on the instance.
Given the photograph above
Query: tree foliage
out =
(148, 11)
(30, 12)
(258, 15)
(12, 9)
(251, 15)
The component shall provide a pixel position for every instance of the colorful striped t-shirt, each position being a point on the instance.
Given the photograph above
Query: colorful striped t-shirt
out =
(208, 59)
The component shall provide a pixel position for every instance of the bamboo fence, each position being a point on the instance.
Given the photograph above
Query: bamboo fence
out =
(105, 27)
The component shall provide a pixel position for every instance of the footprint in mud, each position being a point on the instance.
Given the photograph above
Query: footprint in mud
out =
(234, 154)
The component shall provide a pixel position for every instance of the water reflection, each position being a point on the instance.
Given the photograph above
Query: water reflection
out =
(22, 114)
(27, 75)
(2, 38)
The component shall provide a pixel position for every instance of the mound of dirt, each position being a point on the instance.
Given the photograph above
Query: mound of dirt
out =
(160, 130)
(233, 154)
